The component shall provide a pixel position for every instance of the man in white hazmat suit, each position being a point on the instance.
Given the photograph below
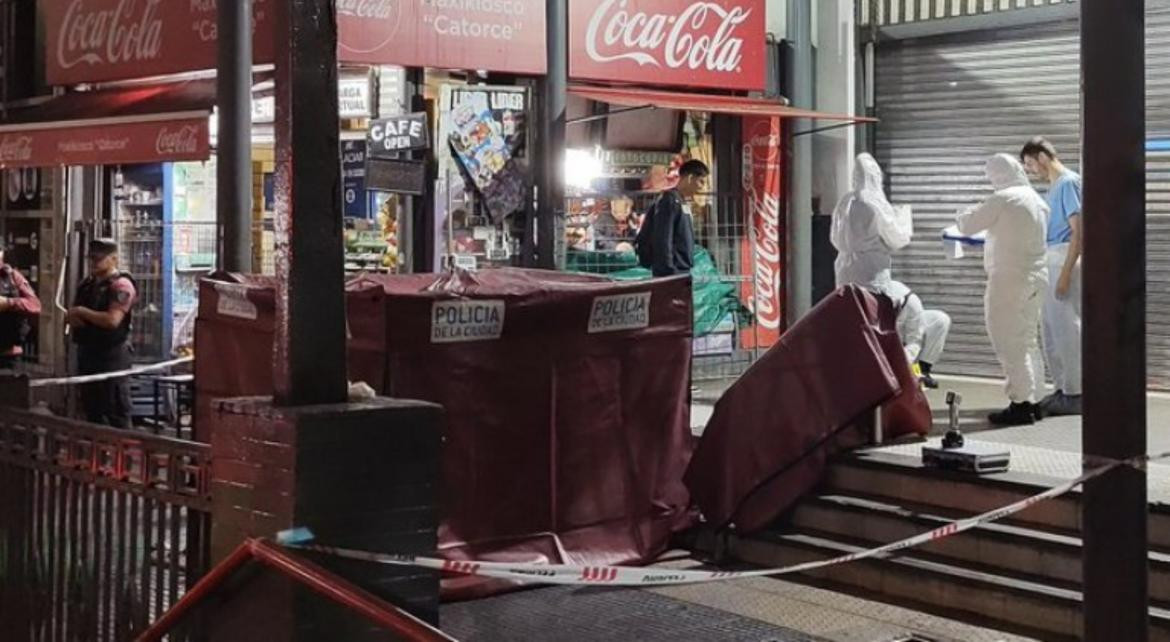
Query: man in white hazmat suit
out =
(1015, 218)
(923, 332)
(867, 229)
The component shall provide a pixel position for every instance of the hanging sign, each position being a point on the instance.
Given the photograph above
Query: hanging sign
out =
(389, 136)
(691, 43)
(398, 176)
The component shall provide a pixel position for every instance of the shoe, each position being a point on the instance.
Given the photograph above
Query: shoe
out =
(1017, 414)
(926, 379)
(1047, 401)
(1065, 406)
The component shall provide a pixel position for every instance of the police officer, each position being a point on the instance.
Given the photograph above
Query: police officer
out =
(100, 320)
(19, 307)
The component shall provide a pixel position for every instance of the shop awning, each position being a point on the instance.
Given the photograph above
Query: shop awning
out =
(136, 124)
(639, 98)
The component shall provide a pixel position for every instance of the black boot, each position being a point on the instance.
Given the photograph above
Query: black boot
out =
(1017, 414)
(927, 380)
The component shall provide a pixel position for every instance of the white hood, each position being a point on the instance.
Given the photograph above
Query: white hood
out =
(1005, 171)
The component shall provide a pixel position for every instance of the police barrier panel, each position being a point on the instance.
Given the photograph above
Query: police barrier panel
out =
(566, 399)
(809, 397)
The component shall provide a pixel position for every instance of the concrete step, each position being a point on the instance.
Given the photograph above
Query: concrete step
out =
(898, 479)
(1029, 608)
(1008, 550)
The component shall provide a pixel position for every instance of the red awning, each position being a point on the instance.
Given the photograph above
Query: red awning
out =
(140, 124)
(738, 105)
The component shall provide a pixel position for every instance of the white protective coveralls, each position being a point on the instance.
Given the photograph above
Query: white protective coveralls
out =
(867, 229)
(1016, 220)
(923, 332)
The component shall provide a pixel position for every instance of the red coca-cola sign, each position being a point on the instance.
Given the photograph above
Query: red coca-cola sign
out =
(695, 43)
(763, 250)
(101, 40)
(497, 35)
(102, 143)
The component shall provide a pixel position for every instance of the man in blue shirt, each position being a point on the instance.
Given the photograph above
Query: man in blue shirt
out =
(1062, 303)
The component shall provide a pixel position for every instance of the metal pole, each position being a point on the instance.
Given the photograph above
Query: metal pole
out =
(1115, 504)
(233, 169)
(550, 186)
(800, 197)
(309, 350)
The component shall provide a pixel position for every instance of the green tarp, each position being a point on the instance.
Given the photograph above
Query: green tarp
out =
(716, 297)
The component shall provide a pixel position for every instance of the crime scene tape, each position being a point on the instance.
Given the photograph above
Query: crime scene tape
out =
(72, 381)
(569, 574)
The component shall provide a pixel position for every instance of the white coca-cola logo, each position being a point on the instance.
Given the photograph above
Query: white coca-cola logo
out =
(372, 24)
(184, 140)
(15, 148)
(765, 144)
(378, 9)
(129, 32)
(700, 37)
(766, 215)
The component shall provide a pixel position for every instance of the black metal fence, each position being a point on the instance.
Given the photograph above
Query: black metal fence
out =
(891, 12)
(101, 530)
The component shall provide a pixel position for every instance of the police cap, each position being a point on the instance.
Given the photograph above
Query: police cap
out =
(102, 247)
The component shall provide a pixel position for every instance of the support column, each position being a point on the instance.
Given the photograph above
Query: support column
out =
(234, 144)
(309, 359)
(1115, 504)
(800, 195)
(550, 184)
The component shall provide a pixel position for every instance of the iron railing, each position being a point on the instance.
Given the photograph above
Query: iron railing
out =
(101, 530)
(883, 13)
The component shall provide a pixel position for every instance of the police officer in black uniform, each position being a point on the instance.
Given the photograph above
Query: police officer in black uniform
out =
(100, 320)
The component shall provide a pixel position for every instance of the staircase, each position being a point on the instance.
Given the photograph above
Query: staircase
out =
(1021, 575)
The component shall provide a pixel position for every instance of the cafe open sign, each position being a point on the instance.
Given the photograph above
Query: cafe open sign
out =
(388, 136)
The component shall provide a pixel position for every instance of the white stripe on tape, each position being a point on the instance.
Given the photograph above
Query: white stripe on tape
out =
(650, 576)
(72, 381)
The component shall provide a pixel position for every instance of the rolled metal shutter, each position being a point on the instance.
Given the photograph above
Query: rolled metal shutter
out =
(949, 102)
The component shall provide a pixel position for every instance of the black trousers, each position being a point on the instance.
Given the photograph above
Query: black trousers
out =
(105, 402)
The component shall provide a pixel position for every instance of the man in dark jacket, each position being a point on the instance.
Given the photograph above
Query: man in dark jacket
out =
(19, 306)
(101, 319)
(666, 243)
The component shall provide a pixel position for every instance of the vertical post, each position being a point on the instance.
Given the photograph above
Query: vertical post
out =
(551, 196)
(800, 199)
(234, 145)
(309, 346)
(1115, 504)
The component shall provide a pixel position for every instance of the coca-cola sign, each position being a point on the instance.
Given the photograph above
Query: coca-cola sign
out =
(763, 250)
(497, 35)
(101, 40)
(178, 140)
(696, 43)
(108, 144)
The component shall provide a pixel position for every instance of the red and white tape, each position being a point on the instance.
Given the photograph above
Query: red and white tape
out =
(569, 574)
(129, 372)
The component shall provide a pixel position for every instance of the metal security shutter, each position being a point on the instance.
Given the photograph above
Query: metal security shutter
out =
(947, 103)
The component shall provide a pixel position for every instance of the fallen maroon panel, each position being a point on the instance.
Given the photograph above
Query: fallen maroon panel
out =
(807, 398)
(566, 402)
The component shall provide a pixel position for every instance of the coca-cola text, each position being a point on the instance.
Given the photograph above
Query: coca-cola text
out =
(129, 32)
(701, 36)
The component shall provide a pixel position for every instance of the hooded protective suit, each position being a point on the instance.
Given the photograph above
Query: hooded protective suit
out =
(867, 229)
(923, 332)
(1015, 218)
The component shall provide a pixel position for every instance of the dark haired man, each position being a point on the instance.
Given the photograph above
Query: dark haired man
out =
(666, 242)
(1062, 301)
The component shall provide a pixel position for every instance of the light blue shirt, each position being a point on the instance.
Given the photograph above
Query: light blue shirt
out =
(1064, 197)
